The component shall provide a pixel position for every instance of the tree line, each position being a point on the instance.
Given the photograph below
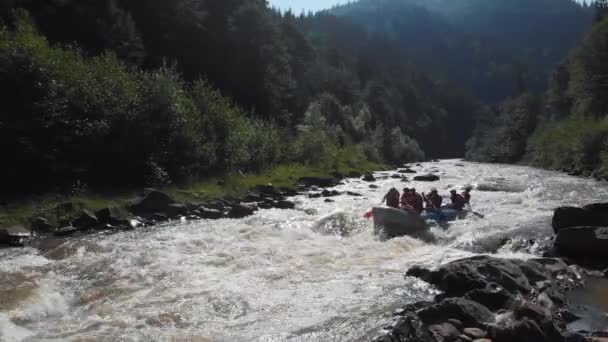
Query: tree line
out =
(563, 128)
(122, 93)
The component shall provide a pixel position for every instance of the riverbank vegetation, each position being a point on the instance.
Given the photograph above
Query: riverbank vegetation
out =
(566, 127)
(160, 94)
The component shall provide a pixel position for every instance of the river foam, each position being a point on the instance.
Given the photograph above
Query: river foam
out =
(315, 273)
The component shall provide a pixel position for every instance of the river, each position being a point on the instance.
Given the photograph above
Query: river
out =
(316, 273)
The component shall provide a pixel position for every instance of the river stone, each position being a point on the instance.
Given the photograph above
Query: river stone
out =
(444, 332)
(468, 312)
(408, 170)
(521, 331)
(152, 201)
(494, 297)
(15, 235)
(368, 177)
(177, 209)
(240, 211)
(211, 214)
(86, 220)
(582, 243)
(323, 182)
(113, 216)
(474, 333)
(285, 205)
(427, 178)
(41, 224)
(595, 215)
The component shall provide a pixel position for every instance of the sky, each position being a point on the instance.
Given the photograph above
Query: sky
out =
(308, 5)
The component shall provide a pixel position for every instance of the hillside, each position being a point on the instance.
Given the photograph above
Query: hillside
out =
(493, 48)
(116, 93)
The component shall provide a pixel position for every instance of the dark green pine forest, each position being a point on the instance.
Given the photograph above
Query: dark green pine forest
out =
(119, 93)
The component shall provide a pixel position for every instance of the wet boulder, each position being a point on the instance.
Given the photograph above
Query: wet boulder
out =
(285, 205)
(238, 211)
(590, 215)
(408, 170)
(525, 330)
(42, 225)
(323, 182)
(210, 214)
(470, 313)
(354, 194)
(152, 201)
(427, 178)
(66, 231)
(15, 235)
(86, 220)
(444, 332)
(583, 243)
(368, 177)
(175, 210)
(113, 216)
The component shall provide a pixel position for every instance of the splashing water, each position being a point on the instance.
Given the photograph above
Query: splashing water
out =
(316, 273)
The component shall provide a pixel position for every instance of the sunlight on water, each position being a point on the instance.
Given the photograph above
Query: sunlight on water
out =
(316, 273)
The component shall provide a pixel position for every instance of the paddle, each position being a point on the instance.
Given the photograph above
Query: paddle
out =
(474, 213)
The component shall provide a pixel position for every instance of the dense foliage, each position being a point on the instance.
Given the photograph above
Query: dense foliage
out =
(117, 92)
(68, 118)
(493, 48)
(567, 127)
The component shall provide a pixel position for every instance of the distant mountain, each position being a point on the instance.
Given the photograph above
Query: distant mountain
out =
(494, 48)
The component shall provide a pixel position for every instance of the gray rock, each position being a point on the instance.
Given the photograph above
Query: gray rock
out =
(427, 178)
(285, 205)
(354, 194)
(324, 182)
(177, 209)
(153, 201)
(525, 330)
(41, 224)
(86, 220)
(240, 211)
(475, 333)
(408, 170)
(211, 214)
(15, 235)
(594, 215)
(582, 243)
(468, 312)
(373, 186)
(66, 231)
(113, 216)
(444, 332)
(368, 177)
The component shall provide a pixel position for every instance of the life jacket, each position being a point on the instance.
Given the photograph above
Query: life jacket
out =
(458, 202)
(392, 199)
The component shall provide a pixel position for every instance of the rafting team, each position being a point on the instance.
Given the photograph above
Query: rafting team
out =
(414, 202)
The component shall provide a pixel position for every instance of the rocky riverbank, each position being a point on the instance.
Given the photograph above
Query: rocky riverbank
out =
(152, 207)
(487, 299)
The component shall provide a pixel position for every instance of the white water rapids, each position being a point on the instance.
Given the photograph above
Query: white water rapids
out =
(316, 273)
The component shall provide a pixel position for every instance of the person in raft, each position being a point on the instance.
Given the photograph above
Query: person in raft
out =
(392, 198)
(458, 201)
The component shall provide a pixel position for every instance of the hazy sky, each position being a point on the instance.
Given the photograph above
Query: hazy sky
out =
(298, 5)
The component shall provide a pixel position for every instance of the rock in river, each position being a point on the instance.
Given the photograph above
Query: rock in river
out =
(323, 182)
(590, 215)
(427, 178)
(15, 235)
(152, 201)
(583, 243)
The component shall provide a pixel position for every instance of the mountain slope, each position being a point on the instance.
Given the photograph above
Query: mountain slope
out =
(494, 48)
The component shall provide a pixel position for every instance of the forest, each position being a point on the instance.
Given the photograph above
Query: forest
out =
(117, 93)
(562, 128)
